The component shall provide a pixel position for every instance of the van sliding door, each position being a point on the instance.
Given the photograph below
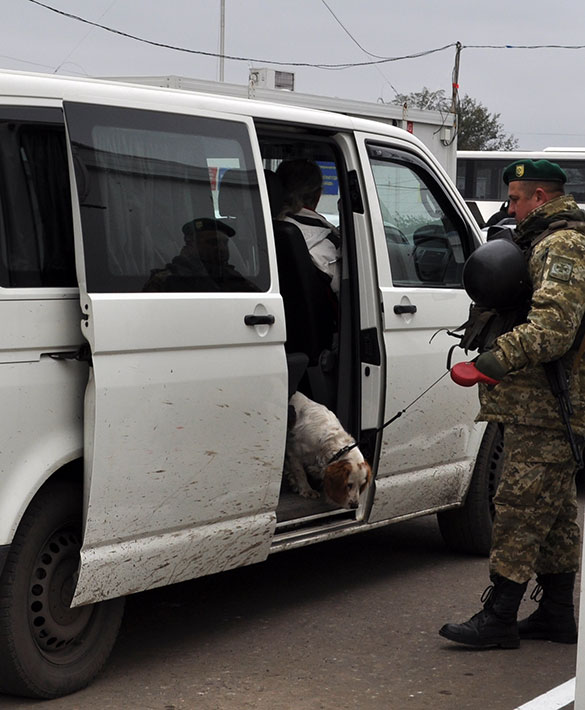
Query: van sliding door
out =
(185, 410)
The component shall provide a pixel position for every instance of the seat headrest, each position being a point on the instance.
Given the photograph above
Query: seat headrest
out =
(275, 192)
(233, 189)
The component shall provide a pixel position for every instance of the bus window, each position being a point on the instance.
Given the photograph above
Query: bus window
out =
(479, 175)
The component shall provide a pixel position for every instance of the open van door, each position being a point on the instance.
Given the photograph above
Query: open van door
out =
(185, 408)
(421, 244)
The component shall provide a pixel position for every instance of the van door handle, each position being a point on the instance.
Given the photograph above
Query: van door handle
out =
(264, 319)
(398, 309)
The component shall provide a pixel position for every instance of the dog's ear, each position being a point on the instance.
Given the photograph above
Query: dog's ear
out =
(335, 481)
(365, 465)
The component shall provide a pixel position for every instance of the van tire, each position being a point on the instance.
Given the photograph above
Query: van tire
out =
(48, 649)
(469, 528)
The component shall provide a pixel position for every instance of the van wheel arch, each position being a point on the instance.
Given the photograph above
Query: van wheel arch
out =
(48, 649)
(469, 528)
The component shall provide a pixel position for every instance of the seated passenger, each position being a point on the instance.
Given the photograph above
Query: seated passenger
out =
(202, 264)
(302, 182)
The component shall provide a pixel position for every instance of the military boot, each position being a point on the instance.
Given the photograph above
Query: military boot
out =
(496, 624)
(554, 620)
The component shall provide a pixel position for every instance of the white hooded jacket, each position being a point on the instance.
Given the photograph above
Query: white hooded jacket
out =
(323, 242)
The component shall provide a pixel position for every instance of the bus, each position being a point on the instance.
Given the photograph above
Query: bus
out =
(479, 176)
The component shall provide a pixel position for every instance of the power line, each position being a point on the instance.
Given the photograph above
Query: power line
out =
(24, 61)
(523, 46)
(85, 36)
(343, 65)
(354, 40)
(348, 33)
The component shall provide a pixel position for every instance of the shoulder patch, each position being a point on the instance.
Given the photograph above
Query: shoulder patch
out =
(560, 269)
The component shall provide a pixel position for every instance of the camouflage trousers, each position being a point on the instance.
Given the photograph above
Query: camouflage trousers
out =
(535, 526)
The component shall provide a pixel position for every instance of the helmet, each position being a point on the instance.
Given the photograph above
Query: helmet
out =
(496, 275)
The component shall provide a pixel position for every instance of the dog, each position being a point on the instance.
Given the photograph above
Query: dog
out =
(315, 448)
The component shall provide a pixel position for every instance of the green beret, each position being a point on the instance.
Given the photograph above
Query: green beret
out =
(535, 170)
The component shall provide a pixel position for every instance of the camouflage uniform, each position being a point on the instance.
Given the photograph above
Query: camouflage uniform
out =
(535, 526)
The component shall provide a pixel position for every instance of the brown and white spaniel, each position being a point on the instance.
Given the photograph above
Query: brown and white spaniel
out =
(318, 448)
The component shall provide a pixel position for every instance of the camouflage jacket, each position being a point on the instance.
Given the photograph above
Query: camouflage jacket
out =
(557, 269)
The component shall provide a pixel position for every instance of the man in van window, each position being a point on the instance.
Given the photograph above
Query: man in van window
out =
(302, 182)
(536, 371)
(203, 263)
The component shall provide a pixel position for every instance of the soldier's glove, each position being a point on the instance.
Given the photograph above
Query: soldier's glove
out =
(485, 369)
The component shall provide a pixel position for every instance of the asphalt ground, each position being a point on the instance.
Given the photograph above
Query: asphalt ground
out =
(347, 624)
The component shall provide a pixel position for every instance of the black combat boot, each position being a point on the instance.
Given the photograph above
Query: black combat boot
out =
(554, 620)
(495, 624)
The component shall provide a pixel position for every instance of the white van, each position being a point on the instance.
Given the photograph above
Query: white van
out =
(143, 431)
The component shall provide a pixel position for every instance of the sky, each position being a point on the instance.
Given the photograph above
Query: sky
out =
(539, 93)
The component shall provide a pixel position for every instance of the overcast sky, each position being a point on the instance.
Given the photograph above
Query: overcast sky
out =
(539, 93)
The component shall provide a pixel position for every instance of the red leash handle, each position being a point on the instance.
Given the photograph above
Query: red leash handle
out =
(466, 374)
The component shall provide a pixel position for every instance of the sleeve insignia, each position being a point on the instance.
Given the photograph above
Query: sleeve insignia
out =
(560, 269)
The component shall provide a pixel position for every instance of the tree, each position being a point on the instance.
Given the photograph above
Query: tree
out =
(478, 129)
(425, 99)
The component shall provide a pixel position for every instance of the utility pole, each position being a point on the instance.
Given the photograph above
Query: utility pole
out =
(221, 38)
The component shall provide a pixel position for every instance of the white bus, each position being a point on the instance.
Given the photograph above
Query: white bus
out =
(479, 175)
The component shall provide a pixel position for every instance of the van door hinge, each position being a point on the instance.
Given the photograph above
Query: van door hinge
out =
(83, 354)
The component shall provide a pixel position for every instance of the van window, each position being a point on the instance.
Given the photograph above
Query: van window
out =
(424, 241)
(168, 202)
(36, 230)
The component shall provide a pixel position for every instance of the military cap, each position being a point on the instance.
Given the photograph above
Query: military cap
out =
(535, 170)
(206, 224)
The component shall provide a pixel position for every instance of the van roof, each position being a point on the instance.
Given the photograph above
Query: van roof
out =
(88, 90)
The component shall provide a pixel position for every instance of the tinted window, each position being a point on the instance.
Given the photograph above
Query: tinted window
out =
(482, 179)
(168, 202)
(424, 235)
(36, 232)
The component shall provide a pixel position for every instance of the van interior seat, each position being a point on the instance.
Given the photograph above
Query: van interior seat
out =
(309, 306)
(233, 198)
(402, 264)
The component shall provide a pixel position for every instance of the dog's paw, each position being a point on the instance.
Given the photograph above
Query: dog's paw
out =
(310, 493)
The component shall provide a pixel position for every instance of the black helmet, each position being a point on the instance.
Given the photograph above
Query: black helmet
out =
(496, 275)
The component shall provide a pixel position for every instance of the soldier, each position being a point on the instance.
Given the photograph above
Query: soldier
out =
(202, 264)
(535, 529)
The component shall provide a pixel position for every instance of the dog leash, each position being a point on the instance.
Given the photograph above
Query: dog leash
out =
(339, 454)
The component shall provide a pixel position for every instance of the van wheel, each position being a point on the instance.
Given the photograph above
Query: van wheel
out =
(48, 649)
(469, 528)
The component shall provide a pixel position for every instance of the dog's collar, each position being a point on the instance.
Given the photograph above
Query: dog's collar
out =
(341, 453)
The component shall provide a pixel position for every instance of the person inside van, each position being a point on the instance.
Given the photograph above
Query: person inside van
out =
(202, 264)
(302, 182)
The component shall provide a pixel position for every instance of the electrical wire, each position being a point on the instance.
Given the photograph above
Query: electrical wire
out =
(85, 36)
(354, 40)
(24, 61)
(523, 46)
(343, 65)
(349, 34)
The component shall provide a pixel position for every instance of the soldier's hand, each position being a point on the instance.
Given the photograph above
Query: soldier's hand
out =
(466, 374)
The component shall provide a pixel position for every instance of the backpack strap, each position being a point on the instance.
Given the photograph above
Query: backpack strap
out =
(556, 227)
